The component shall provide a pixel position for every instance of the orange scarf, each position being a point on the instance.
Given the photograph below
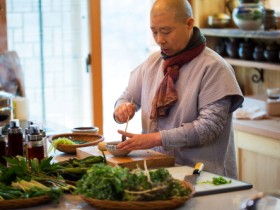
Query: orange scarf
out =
(166, 94)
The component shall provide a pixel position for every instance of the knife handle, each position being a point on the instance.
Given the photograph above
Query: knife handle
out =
(198, 168)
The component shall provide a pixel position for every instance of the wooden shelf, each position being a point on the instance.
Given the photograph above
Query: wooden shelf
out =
(237, 33)
(254, 64)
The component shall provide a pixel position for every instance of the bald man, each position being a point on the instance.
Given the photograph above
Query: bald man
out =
(186, 93)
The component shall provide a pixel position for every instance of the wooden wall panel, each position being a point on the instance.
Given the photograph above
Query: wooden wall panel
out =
(3, 26)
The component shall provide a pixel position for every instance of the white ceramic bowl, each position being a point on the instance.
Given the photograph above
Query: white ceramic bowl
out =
(112, 148)
(92, 130)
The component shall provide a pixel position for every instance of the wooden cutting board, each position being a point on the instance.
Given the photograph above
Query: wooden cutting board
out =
(137, 157)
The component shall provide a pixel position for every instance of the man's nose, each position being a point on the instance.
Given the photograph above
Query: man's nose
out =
(160, 39)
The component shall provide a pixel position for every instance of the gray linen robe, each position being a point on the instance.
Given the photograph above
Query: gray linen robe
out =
(206, 79)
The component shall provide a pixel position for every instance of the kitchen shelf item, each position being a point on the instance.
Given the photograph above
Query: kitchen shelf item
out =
(24, 203)
(139, 205)
(89, 139)
(248, 16)
(219, 20)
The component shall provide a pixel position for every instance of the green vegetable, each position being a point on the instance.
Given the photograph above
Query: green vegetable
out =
(43, 171)
(61, 140)
(73, 169)
(216, 181)
(23, 189)
(115, 183)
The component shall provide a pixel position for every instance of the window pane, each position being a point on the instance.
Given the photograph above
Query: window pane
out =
(125, 44)
(51, 40)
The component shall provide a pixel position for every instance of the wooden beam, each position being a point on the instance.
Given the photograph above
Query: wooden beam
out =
(3, 27)
(96, 63)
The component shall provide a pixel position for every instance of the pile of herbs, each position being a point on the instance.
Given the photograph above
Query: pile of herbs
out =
(105, 182)
(216, 181)
(25, 179)
(35, 178)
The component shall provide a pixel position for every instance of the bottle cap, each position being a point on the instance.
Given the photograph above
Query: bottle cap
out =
(14, 127)
(34, 134)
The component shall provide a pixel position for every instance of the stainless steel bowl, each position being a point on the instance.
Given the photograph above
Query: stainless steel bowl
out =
(220, 20)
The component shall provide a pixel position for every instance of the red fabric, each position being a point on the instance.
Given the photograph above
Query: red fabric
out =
(166, 95)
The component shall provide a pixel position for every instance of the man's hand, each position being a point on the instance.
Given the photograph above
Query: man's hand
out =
(124, 112)
(140, 141)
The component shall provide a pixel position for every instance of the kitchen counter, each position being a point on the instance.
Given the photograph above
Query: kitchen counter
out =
(229, 200)
(268, 127)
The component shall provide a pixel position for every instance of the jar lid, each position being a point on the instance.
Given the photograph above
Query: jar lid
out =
(14, 127)
(34, 134)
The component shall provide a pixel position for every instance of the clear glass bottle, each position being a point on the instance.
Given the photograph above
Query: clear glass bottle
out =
(35, 144)
(44, 137)
(15, 140)
(2, 148)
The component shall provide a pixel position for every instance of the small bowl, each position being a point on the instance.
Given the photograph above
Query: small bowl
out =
(112, 148)
(89, 139)
(85, 130)
(220, 20)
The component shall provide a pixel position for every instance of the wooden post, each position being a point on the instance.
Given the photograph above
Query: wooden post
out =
(96, 63)
(3, 27)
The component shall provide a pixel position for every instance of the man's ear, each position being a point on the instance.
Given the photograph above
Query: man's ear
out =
(190, 23)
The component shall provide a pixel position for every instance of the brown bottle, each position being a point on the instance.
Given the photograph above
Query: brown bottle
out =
(35, 144)
(2, 149)
(15, 140)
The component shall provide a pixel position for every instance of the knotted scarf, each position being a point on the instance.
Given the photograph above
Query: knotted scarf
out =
(166, 94)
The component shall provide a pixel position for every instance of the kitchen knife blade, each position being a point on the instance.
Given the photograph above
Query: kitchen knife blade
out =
(196, 172)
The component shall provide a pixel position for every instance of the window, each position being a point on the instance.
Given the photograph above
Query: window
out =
(51, 40)
(125, 44)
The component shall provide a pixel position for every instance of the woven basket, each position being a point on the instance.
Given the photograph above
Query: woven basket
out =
(140, 205)
(91, 139)
(24, 203)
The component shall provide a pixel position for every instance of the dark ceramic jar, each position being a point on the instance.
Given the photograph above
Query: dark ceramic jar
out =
(220, 48)
(258, 53)
(232, 47)
(270, 19)
(246, 50)
(271, 52)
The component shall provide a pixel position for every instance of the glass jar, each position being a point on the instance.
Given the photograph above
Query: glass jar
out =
(2, 148)
(35, 144)
(15, 140)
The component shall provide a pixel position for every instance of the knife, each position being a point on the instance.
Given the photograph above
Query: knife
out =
(196, 172)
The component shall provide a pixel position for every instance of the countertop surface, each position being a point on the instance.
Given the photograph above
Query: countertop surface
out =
(220, 201)
(267, 127)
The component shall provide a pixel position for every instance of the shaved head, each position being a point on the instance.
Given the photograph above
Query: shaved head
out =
(181, 9)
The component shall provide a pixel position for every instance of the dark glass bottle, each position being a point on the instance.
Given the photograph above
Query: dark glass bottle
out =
(2, 149)
(15, 140)
(35, 144)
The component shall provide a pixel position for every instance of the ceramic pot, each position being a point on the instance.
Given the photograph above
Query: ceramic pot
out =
(271, 52)
(246, 50)
(248, 16)
(258, 53)
(220, 48)
(232, 47)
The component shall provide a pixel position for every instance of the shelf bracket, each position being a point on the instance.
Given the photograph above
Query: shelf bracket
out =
(256, 78)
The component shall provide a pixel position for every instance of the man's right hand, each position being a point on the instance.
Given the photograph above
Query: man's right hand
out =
(124, 112)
